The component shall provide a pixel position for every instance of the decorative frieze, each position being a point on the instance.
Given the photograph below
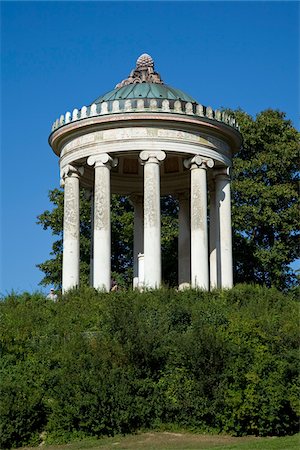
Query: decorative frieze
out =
(133, 105)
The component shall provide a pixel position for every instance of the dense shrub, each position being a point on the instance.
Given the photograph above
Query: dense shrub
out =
(99, 364)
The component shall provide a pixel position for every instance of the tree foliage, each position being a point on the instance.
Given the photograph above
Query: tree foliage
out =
(264, 211)
(96, 364)
(265, 200)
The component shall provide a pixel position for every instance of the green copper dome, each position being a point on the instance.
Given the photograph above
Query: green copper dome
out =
(145, 83)
(145, 90)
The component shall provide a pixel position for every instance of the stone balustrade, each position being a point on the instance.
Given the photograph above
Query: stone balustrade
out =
(145, 105)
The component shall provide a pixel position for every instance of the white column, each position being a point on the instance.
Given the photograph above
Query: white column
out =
(152, 219)
(184, 241)
(92, 240)
(223, 199)
(70, 267)
(213, 236)
(138, 235)
(102, 226)
(199, 234)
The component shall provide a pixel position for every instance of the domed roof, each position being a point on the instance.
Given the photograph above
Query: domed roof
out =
(144, 82)
(145, 90)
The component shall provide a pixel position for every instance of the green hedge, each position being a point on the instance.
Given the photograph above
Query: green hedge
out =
(97, 364)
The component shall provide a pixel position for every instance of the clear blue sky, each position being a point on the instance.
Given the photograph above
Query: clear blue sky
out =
(60, 55)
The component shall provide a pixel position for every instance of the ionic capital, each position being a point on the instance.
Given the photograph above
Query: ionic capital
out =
(197, 162)
(70, 171)
(102, 160)
(152, 157)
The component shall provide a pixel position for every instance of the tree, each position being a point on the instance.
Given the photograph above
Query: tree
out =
(265, 200)
(264, 210)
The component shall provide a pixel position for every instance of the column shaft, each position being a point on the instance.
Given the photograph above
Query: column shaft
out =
(102, 229)
(184, 242)
(70, 266)
(152, 220)
(223, 198)
(102, 226)
(92, 241)
(213, 238)
(199, 235)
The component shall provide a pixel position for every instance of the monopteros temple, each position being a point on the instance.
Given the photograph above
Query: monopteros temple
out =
(145, 139)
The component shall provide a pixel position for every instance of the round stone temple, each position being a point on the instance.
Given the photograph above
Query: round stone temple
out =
(145, 139)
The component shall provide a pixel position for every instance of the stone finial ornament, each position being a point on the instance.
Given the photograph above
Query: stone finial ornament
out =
(143, 73)
(144, 61)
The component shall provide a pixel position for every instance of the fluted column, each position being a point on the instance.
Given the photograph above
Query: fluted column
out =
(199, 234)
(138, 235)
(184, 241)
(223, 200)
(152, 219)
(213, 236)
(102, 226)
(70, 267)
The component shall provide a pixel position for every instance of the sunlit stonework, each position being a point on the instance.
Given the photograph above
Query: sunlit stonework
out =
(145, 139)
(144, 60)
(143, 72)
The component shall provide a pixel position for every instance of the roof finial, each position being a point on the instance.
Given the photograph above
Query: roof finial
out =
(143, 72)
(144, 61)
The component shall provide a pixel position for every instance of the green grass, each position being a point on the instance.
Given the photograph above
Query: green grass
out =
(182, 441)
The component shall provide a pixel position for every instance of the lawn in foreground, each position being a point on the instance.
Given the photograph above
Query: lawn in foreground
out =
(182, 441)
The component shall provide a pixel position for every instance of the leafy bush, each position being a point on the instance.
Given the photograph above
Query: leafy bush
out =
(97, 364)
